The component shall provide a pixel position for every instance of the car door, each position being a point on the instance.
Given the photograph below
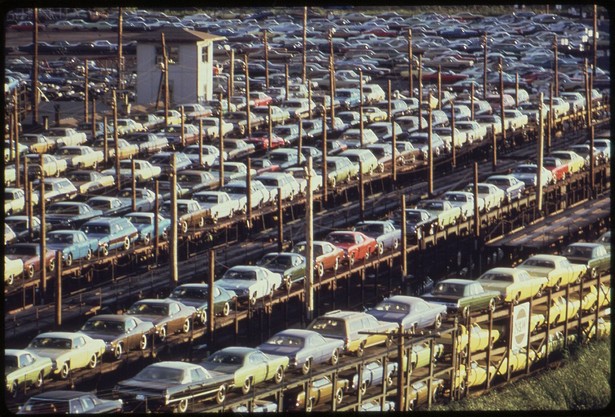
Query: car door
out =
(79, 357)
(259, 367)
(80, 245)
(174, 320)
(133, 337)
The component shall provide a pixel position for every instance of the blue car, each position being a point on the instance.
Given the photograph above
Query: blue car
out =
(373, 374)
(304, 348)
(145, 224)
(384, 231)
(111, 233)
(412, 312)
(74, 245)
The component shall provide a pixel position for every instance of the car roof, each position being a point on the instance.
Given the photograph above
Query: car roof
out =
(66, 335)
(60, 395)
(114, 317)
(459, 281)
(175, 365)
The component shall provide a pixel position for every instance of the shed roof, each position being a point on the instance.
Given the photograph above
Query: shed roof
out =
(178, 35)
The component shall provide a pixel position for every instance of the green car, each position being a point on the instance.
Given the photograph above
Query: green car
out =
(462, 296)
(288, 264)
(593, 255)
(248, 365)
(24, 369)
(339, 169)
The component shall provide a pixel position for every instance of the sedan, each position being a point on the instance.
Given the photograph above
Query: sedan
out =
(304, 348)
(326, 255)
(247, 366)
(74, 245)
(512, 187)
(574, 161)
(250, 282)
(412, 312)
(145, 223)
(68, 351)
(593, 255)
(527, 173)
(462, 296)
(557, 269)
(513, 284)
(29, 253)
(197, 296)
(373, 373)
(120, 333)
(168, 316)
(385, 233)
(320, 391)
(69, 402)
(356, 245)
(172, 385)
(560, 310)
(24, 369)
(490, 193)
(288, 264)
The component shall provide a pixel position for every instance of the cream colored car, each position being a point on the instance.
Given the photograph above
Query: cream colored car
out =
(514, 284)
(557, 269)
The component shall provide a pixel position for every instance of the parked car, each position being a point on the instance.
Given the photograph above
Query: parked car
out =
(575, 162)
(73, 244)
(384, 231)
(374, 373)
(513, 284)
(320, 391)
(145, 224)
(15, 200)
(121, 333)
(173, 385)
(465, 201)
(557, 269)
(247, 366)
(593, 255)
(412, 312)
(358, 330)
(197, 296)
(443, 210)
(492, 196)
(55, 189)
(189, 213)
(90, 181)
(23, 369)
(512, 187)
(210, 154)
(168, 316)
(30, 254)
(12, 268)
(237, 191)
(356, 245)
(68, 351)
(605, 239)
(111, 232)
(340, 169)
(250, 282)
(527, 173)
(304, 348)
(110, 206)
(80, 156)
(462, 296)
(69, 402)
(291, 266)
(145, 198)
(326, 255)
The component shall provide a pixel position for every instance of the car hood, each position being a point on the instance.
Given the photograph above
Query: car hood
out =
(50, 353)
(235, 284)
(388, 316)
(149, 317)
(106, 337)
(193, 303)
(440, 298)
(279, 350)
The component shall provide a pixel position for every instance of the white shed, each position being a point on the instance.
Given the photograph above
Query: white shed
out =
(190, 54)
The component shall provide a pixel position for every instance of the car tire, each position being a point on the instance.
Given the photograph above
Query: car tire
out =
(320, 270)
(333, 182)
(306, 367)
(247, 385)
(337, 265)
(162, 334)
(252, 299)
(395, 244)
(14, 389)
(182, 406)
(105, 250)
(69, 259)
(30, 271)
(143, 342)
(351, 259)
(10, 279)
(279, 375)
(593, 274)
(52, 265)
(117, 352)
(491, 306)
(147, 239)
(363, 388)
(517, 298)
(39, 380)
(438, 322)
(201, 222)
(88, 255)
(360, 350)
(335, 357)
(221, 394)
(339, 396)
(126, 244)
(93, 362)
(380, 248)
(465, 312)
(186, 326)
(65, 371)
(226, 309)
(367, 255)
(184, 227)
(388, 342)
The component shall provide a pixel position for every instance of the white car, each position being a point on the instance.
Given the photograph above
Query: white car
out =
(527, 173)
(465, 201)
(300, 174)
(12, 269)
(66, 136)
(144, 170)
(491, 195)
(515, 119)
(211, 127)
(604, 146)
(15, 200)
(80, 156)
(282, 181)
(446, 213)
(237, 191)
(219, 204)
(250, 282)
(210, 154)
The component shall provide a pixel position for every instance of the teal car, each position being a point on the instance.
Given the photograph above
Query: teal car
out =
(593, 255)
(146, 225)
(24, 369)
(74, 245)
(288, 264)
(249, 366)
(111, 232)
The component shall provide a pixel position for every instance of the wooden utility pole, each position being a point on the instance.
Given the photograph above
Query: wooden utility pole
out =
(394, 153)
(43, 233)
(134, 184)
(266, 58)
(249, 193)
(551, 118)
(502, 112)
(453, 144)
(439, 87)
(200, 143)
(400, 406)
(249, 126)
(595, 41)
(304, 63)
(210, 305)
(430, 149)
(485, 46)
(165, 63)
(156, 221)
(476, 212)
(325, 182)
(58, 260)
(120, 57)
(555, 67)
(389, 105)
(93, 120)
(494, 146)
(309, 239)
(280, 222)
(541, 136)
(231, 90)
(221, 148)
(410, 58)
(173, 261)
(269, 125)
(404, 237)
(361, 192)
(116, 143)
(105, 142)
(86, 91)
(420, 69)
(331, 74)
(35, 92)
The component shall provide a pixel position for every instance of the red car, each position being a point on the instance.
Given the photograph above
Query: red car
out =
(326, 255)
(356, 245)
(26, 26)
(556, 166)
(29, 253)
(260, 140)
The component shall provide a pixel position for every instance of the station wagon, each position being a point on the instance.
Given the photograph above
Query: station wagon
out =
(112, 233)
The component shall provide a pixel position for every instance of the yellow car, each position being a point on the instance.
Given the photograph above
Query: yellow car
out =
(556, 312)
(479, 339)
(518, 361)
(557, 269)
(555, 343)
(513, 284)
(603, 296)
(476, 375)
(602, 329)
(536, 321)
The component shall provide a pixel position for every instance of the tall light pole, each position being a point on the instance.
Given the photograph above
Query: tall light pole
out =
(484, 42)
(410, 81)
(555, 69)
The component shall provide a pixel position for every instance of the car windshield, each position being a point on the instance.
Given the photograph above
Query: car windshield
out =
(160, 373)
(340, 238)
(283, 261)
(498, 181)
(189, 292)
(225, 358)
(525, 170)
(97, 229)
(579, 251)
(497, 277)
(455, 197)
(50, 343)
(104, 326)
(284, 340)
(328, 326)
(78, 176)
(393, 307)
(242, 275)
(540, 263)
(369, 228)
(44, 406)
(99, 204)
(447, 288)
(207, 198)
(139, 220)
(60, 238)
(150, 309)
(30, 250)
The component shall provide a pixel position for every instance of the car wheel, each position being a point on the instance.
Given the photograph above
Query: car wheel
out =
(361, 350)
(52, 265)
(339, 396)
(491, 306)
(201, 222)
(438, 322)
(182, 406)
(14, 389)
(305, 368)
(380, 248)
(247, 385)
(279, 375)
(221, 394)
(105, 250)
(226, 309)
(69, 259)
(184, 227)
(363, 388)
(165, 234)
(88, 255)
(65, 371)
(93, 362)
(539, 293)
(126, 244)
(147, 239)
(162, 334)
(593, 273)
(39, 380)
(186, 326)
(143, 342)
(465, 312)
(30, 271)
(117, 352)
(333, 182)
(337, 264)
(367, 254)
(309, 405)
(351, 260)
(395, 244)
(388, 342)
(320, 270)
(335, 357)
(389, 379)
(253, 299)
(10, 279)
(517, 298)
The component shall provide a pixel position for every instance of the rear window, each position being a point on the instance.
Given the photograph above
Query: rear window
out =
(328, 326)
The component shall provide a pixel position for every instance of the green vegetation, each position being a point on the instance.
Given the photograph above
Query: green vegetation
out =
(582, 383)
